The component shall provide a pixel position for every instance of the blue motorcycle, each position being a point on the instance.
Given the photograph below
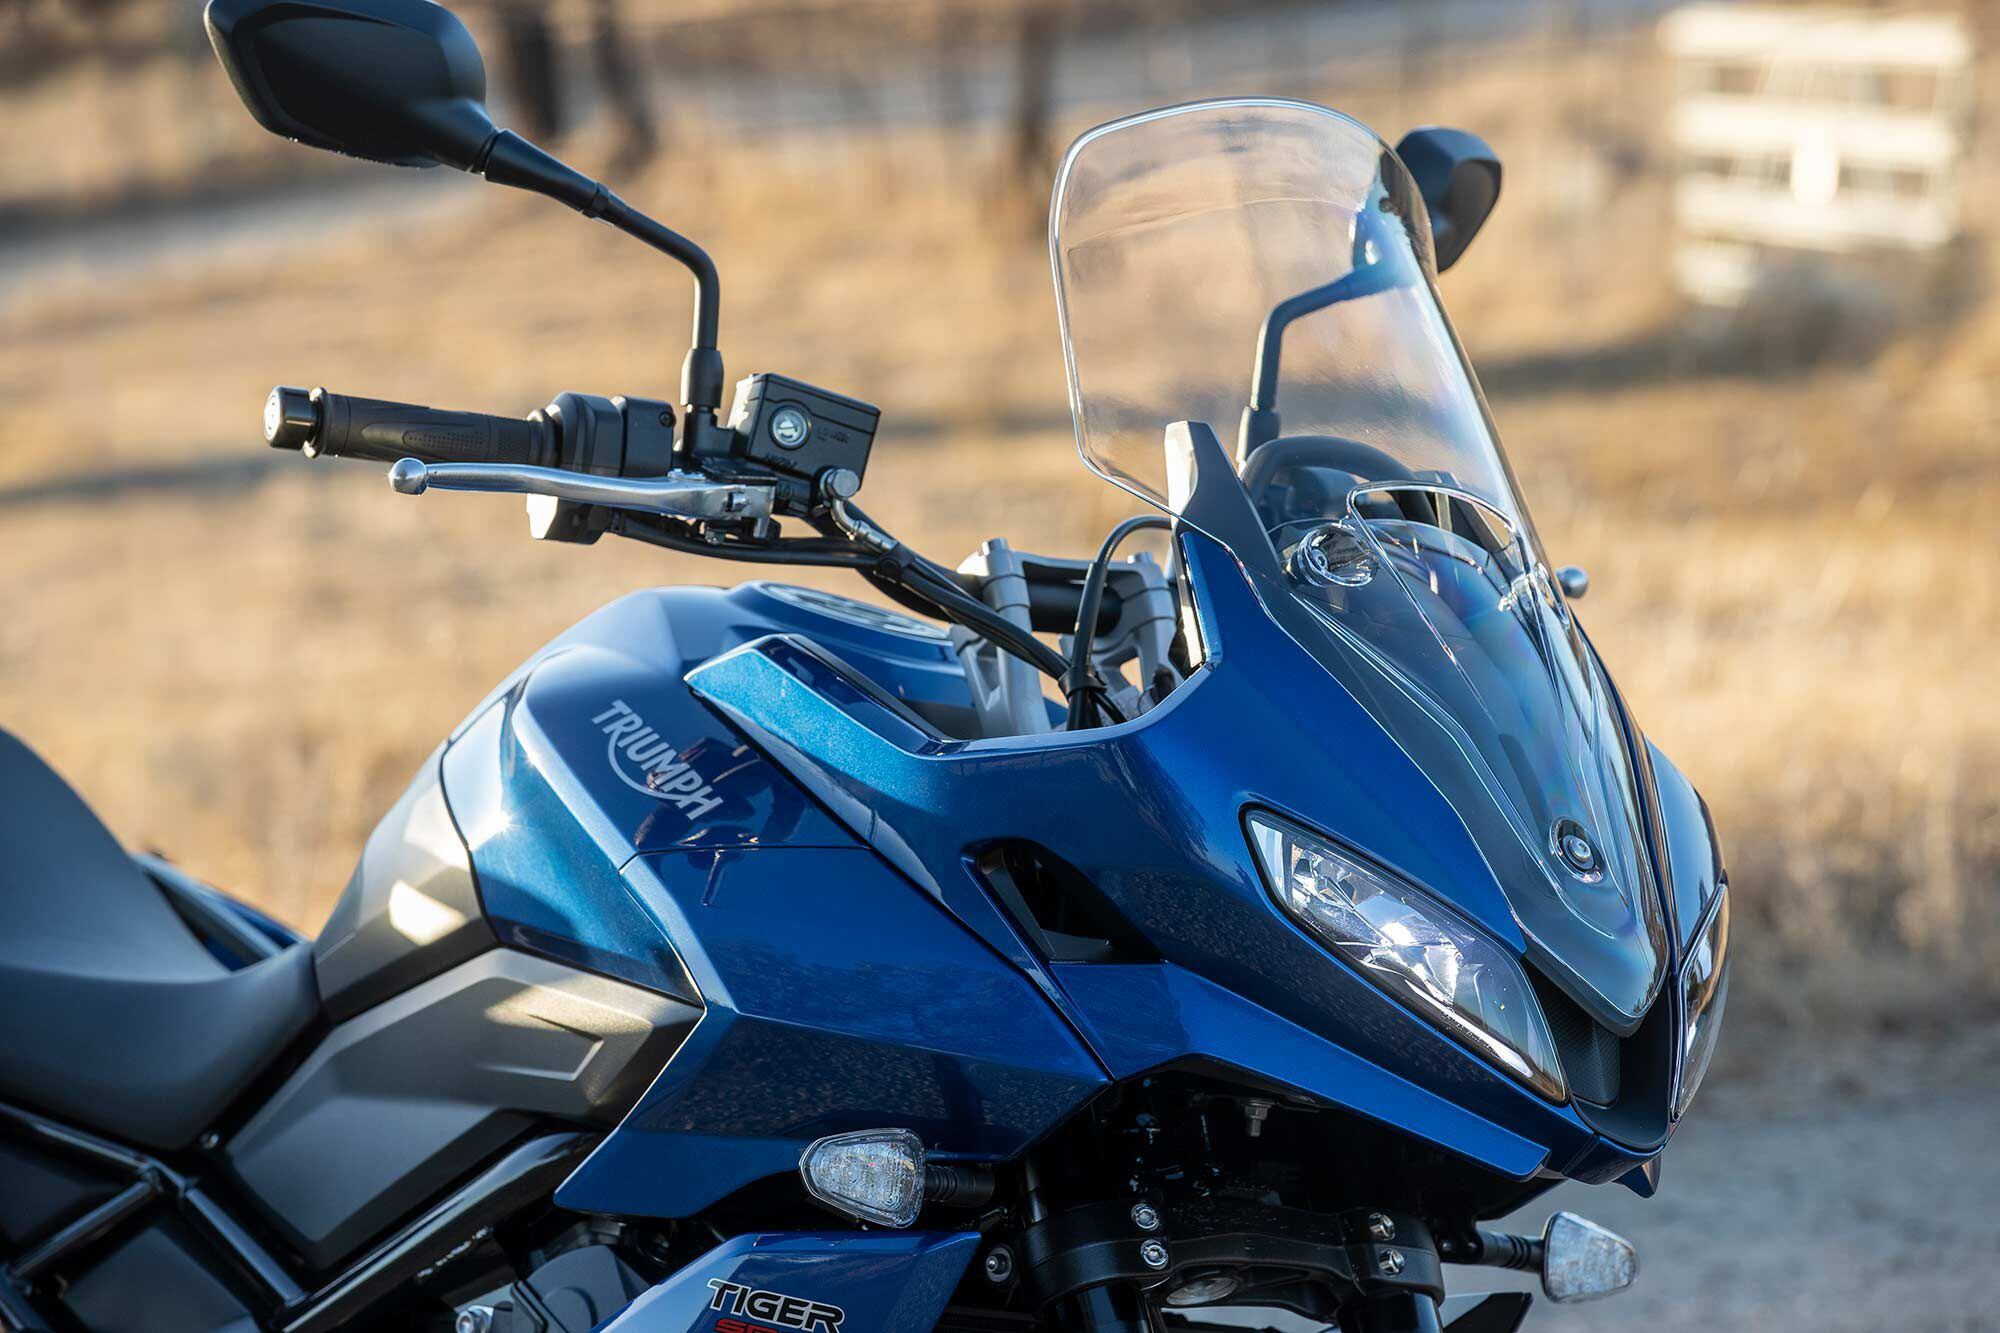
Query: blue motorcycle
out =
(1118, 945)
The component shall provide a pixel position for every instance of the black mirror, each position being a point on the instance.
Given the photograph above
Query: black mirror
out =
(397, 81)
(1459, 178)
(401, 81)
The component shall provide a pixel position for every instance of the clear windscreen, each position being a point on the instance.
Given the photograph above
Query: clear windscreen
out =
(1264, 267)
(1184, 239)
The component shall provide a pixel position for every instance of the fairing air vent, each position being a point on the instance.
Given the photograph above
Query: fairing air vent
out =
(1064, 916)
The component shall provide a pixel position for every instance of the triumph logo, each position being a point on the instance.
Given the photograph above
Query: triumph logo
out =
(772, 1306)
(662, 776)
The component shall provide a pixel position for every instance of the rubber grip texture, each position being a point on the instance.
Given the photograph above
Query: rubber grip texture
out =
(386, 431)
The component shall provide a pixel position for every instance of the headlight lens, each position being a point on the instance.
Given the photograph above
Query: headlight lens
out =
(1418, 950)
(1704, 991)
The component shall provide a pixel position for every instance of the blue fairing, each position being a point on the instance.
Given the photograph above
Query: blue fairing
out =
(837, 1282)
(741, 797)
(839, 998)
(1149, 812)
(547, 805)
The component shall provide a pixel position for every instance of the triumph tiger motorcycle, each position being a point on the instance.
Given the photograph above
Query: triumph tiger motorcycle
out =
(1123, 945)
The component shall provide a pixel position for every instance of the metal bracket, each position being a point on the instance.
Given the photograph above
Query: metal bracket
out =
(151, 1181)
(1006, 691)
(1285, 1251)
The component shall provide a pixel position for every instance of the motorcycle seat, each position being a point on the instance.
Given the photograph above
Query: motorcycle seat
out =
(113, 1015)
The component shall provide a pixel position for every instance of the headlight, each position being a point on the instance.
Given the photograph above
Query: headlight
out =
(1704, 990)
(1414, 947)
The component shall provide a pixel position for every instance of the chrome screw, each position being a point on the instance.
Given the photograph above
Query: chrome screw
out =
(473, 1319)
(1145, 1217)
(1381, 1227)
(999, 1264)
(1154, 1254)
(1390, 1261)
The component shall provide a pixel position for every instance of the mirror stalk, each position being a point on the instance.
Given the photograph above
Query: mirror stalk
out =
(509, 159)
(401, 81)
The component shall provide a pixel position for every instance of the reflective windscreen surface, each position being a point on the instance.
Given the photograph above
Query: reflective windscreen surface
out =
(1176, 235)
(1263, 267)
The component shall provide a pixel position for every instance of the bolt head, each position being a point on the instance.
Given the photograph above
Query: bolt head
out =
(1145, 1217)
(999, 1264)
(1390, 1262)
(1381, 1226)
(1153, 1254)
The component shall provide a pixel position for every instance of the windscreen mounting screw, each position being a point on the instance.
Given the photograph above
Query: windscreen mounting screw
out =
(1381, 1227)
(1153, 1254)
(999, 1264)
(1390, 1261)
(1145, 1217)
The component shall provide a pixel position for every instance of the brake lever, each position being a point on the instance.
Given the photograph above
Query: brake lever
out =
(676, 495)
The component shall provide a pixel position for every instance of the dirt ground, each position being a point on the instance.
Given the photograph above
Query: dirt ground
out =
(1829, 1185)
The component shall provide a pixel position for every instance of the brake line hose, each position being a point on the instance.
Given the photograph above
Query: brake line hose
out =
(1083, 689)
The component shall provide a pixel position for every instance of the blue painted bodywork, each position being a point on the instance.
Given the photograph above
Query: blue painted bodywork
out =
(880, 1283)
(535, 791)
(745, 797)
(838, 998)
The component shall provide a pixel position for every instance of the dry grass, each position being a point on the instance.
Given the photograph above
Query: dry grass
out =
(1797, 581)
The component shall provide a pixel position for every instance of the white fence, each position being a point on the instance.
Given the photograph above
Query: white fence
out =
(1812, 131)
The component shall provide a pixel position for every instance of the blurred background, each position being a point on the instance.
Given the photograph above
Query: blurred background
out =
(1735, 314)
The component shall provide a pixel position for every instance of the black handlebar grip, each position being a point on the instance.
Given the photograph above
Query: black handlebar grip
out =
(342, 427)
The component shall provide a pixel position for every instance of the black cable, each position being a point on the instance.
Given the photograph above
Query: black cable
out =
(914, 590)
(959, 606)
(664, 532)
(949, 577)
(924, 586)
(1083, 688)
(921, 586)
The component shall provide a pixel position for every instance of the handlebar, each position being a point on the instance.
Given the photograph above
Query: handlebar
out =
(338, 426)
(616, 465)
(1053, 607)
